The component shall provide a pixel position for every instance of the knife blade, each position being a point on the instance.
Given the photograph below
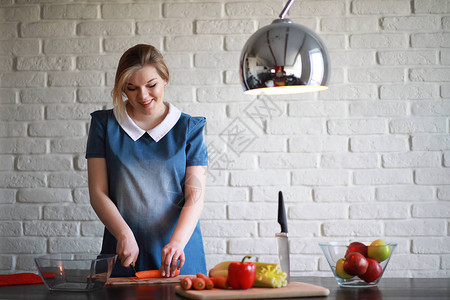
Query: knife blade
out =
(134, 269)
(282, 238)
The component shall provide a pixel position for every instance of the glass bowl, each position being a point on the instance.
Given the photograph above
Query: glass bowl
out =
(334, 251)
(67, 272)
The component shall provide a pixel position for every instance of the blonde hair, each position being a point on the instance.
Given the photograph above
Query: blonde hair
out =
(131, 61)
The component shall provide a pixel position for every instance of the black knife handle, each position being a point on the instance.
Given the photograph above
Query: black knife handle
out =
(282, 213)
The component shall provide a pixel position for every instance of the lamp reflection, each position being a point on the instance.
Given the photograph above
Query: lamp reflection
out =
(317, 72)
(61, 269)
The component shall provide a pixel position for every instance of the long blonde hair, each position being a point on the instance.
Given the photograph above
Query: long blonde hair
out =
(131, 61)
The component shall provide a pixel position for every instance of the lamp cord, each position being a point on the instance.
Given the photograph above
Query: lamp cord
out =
(286, 9)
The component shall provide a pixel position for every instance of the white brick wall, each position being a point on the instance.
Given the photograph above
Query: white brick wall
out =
(368, 158)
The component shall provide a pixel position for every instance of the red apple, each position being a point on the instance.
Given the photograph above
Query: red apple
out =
(355, 264)
(374, 271)
(356, 247)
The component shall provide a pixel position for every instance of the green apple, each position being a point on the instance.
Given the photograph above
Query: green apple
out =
(378, 250)
(340, 269)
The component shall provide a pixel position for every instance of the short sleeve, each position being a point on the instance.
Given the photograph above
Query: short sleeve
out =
(96, 138)
(196, 153)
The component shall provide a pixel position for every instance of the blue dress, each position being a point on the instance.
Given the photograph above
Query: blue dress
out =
(146, 174)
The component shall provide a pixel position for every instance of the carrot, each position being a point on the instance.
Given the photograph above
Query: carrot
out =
(220, 282)
(201, 275)
(198, 283)
(209, 285)
(153, 274)
(186, 283)
(148, 274)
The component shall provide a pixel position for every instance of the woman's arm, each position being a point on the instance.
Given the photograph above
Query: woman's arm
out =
(126, 248)
(194, 193)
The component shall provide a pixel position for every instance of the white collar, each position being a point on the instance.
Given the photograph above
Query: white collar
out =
(157, 133)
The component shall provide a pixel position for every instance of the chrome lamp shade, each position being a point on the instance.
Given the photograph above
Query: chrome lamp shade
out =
(284, 58)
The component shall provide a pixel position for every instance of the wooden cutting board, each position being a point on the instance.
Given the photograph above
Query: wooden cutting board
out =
(293, 289)
(135, 280)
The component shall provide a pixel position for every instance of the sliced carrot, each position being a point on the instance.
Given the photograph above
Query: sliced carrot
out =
(149, 274)
(186, 283)
(198, 283)
(220, 282)
(153, 274)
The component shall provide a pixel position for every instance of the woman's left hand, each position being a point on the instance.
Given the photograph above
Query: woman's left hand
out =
(172, 255)
(172, 258)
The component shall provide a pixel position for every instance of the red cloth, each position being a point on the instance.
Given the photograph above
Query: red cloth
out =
(20, 278)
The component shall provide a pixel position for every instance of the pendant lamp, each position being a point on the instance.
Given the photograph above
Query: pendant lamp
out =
(284, 58)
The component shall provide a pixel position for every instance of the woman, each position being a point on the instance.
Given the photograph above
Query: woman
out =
(146, 169)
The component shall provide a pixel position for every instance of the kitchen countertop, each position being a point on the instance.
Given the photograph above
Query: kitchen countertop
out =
(388, 289)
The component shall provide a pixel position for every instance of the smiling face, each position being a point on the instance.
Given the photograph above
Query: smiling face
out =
(145, 93)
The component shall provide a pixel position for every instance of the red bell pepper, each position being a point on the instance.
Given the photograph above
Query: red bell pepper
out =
(241, 275)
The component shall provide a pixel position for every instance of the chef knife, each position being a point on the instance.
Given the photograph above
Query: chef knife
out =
(282, 238)
(134, 269)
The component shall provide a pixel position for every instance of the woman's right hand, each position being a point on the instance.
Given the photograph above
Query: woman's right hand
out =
(107, 211)
(127, 250)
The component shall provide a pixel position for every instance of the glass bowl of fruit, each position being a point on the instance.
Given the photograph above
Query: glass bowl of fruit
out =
(76, 273)
(358, 264)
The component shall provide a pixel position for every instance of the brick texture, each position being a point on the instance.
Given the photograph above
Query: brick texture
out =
(368, 158)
